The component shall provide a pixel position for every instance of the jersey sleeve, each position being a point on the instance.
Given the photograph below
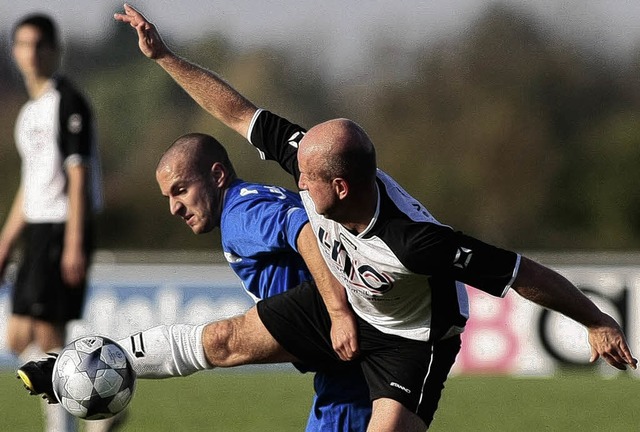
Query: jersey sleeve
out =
(277, 139)
(76, 128)
(439, 251)
(267, 220)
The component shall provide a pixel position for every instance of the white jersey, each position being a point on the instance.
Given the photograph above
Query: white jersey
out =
(380, 288)
(406, 273)
(51, 133)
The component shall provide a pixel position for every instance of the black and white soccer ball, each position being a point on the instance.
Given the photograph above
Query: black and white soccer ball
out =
(93, 378)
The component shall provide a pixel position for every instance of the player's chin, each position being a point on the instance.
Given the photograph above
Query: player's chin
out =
(197, 229)
(201, 228)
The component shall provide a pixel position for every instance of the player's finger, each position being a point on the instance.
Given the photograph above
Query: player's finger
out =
(346, 353)
(615, 360)
(339, 349)
(355, 350)
(627, 357)
(130, 10)
(342, 355)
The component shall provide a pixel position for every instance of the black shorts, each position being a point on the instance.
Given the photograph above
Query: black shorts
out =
(39, 291)
(408, 371)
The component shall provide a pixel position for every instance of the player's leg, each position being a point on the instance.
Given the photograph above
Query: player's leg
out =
(242, 340)
(341, 402)
(50, 337)
(182, 349)
(406, 377)
(36, 374)
(389, 415)
(47, 338)
(20, 338)
(287, 327)
(19, 333)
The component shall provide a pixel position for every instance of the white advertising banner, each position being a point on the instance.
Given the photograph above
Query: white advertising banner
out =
(503, 336)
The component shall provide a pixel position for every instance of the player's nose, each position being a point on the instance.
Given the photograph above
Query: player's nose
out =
(174, 206)
(302, 183)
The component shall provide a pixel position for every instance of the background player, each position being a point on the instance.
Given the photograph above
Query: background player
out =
(53, 208)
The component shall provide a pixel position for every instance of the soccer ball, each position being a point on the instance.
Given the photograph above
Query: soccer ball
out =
(93, 378)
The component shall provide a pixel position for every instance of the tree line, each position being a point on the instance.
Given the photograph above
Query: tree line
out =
(507, 131)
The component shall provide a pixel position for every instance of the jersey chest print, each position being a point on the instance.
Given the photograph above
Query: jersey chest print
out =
(360, 276)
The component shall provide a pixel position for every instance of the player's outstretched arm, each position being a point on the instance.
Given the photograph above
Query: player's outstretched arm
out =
(549, 289)
(207, 88)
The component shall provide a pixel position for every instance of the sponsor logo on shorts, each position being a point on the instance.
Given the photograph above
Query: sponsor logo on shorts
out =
(404, 389)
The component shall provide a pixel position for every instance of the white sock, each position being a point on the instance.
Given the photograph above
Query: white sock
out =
(32, 352)
(58, 419)
(167, 351)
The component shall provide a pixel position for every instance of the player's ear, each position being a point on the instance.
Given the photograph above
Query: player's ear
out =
(340, 187)
(218, 173)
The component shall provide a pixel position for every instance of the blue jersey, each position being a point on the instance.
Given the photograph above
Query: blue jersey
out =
(260, 226)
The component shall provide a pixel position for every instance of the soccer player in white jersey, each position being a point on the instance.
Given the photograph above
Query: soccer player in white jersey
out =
(402, 271)
(53, 209)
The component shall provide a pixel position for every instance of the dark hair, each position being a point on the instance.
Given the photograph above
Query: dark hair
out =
(42, 22)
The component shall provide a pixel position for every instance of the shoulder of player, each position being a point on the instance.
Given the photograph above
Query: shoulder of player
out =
(242, 193)
(70, 93)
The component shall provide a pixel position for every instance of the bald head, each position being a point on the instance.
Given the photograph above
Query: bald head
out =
(195, 153)
(342, 149)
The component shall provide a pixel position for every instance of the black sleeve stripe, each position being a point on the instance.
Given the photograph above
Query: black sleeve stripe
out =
(76, 122)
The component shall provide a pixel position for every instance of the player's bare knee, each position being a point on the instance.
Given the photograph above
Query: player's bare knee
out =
(19, 334)
(218, 341)
(17, 343)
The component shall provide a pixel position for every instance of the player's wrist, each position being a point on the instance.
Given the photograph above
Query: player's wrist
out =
(339, 313)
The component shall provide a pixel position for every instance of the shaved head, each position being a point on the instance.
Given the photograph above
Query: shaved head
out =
(343, 150)
(196, 153)
(337, 166)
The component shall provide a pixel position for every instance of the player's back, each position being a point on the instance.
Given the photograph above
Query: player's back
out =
(259, 229)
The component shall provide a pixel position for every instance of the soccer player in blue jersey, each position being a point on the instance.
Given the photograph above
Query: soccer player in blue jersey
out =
(262, 228)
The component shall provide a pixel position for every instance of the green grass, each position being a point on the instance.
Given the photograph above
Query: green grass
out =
(279, 401)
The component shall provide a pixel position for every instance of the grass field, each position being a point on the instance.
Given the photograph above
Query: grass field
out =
(278, 401)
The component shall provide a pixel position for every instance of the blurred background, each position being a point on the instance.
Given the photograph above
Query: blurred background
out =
(513, 121)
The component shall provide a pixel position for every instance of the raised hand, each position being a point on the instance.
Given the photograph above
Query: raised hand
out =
(149, 40)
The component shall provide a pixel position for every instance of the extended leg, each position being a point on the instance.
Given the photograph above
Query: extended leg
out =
(182, 349)
(242, 340)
